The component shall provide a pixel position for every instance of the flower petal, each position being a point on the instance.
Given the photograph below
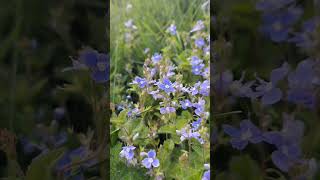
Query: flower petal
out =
(156, 163)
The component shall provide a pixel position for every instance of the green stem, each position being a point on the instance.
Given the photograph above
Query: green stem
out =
(189, 155)
(203, 155)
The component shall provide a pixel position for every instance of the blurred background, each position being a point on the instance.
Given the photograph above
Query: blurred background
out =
(38, 39)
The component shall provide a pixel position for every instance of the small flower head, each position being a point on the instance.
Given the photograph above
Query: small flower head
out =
(129, 24)
(205, 88)
(195, 60)
(98, 63)
(198, 27)
(141, 82)
(197, 69)
(151, 160)
(199, 42)
(206, 175)
(199, 107)
(196, 124)
(172, 29)
(167, 110)
(277, 26)
(156, 58)
(167, 86)
(127, 152)
(186, 103)
(248, 132)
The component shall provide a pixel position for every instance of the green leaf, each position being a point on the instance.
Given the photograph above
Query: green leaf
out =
(183, 119)
(120, 119)
(41, 167)
(165, 154)
(170, 129)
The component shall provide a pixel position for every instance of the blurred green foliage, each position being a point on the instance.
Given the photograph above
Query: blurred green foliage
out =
(37, 39)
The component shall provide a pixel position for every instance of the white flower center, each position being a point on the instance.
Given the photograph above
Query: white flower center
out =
(166, 86)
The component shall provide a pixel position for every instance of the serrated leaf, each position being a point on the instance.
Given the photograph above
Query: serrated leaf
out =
(170, 129)
(121, 118)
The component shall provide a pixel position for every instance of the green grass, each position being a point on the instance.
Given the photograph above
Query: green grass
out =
(152, 17)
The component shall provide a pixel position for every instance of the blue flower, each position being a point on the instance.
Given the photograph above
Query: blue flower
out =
(142, 82)
(195, 60)
(88, 57)
(306, 39)
(286, 156)
(291, 133)
(303, 97)
(166, 86)
(134, 112)
(199, 42)
(129, 24)
(206, 73)
(196, 124)
(197, 69)
(127, 152)
(301, 84)
(205, 88)
(268, 90)
(287, 153)
(187, 133)
(248, 132)
(206, 175)
(172, 29)
(199, 107)
(156, 95)
(195, 89)
(167, 110)
(186, 103)
(156, 57)
(98, 63)
(151, 160)
(198, 27)
(287, 141)
(277, 26)
(170, 71)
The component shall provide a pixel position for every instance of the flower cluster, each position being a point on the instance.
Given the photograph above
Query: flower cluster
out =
(293, 87)
(172, 95)
(278, 18)
(97, 63)
(302, 85)
(287, 141)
